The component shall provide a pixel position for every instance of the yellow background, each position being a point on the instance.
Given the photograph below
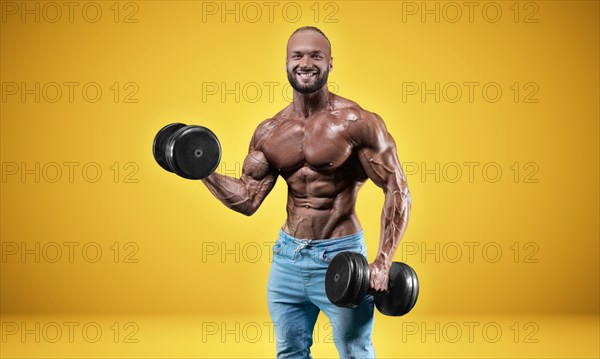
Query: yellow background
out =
(194, 258)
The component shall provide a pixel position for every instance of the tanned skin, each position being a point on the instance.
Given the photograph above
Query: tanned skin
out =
(325, 147)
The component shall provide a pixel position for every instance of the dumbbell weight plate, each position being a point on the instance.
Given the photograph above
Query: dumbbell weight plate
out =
(403, 291)
(160, 144)
(363, 278)
(340, 280)
(193, 152)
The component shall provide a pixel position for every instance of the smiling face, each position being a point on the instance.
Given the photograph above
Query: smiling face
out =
(308, 61)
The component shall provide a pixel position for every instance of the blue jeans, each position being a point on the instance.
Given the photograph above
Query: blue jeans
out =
(296, 294)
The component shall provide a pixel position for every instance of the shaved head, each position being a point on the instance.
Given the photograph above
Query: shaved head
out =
(311, 28)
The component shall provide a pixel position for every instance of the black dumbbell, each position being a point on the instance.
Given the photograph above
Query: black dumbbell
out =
(347, 283)
(192, 152)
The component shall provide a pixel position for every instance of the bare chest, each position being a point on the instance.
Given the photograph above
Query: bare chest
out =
(322, 143)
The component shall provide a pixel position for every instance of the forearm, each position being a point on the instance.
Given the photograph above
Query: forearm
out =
(232, 192)
(394, 220)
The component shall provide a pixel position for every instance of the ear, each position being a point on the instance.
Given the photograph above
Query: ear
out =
(331, 64)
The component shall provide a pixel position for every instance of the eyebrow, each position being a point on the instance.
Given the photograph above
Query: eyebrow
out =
(310, 52)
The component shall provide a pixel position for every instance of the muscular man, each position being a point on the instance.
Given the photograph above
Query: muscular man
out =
(325, 147)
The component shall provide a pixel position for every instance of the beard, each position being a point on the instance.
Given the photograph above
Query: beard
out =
(320, 81)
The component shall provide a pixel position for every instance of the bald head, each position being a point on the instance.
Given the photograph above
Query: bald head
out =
(311, 28)
(309, 38)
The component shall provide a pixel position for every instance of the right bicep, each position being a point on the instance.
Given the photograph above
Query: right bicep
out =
(258, 177)
(256, 166)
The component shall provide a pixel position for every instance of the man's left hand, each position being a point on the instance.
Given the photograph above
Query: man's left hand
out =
(379, 276)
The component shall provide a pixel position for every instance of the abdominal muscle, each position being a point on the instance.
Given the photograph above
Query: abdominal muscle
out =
(321, 205)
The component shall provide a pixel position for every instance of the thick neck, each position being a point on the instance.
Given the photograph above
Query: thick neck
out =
(305, 105)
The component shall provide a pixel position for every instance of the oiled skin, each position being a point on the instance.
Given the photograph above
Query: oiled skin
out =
(325, 147)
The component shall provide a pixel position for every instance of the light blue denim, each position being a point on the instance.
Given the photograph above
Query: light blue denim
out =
(296, 294)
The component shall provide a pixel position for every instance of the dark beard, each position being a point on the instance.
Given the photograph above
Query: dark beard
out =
(306, 89)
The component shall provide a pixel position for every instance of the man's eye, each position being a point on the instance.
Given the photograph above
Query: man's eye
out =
(317, 57)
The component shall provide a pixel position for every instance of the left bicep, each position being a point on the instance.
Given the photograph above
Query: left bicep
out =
(378, 155)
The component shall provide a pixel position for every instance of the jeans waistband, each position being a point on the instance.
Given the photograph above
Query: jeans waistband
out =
(358, 236)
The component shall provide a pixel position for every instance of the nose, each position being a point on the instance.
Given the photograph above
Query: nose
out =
(305, 61)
